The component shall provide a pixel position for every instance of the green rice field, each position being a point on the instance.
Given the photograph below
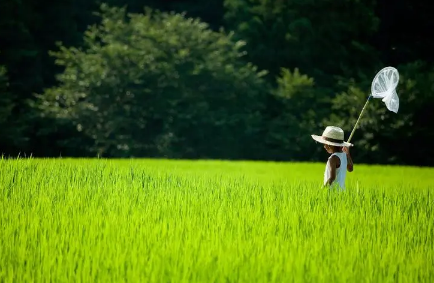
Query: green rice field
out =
(97, 220)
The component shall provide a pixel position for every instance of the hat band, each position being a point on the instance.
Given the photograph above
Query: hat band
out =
(332, 140)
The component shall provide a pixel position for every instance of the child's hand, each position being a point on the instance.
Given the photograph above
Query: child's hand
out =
(350, 161)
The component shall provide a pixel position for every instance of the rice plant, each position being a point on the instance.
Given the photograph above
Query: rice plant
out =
(95, 220)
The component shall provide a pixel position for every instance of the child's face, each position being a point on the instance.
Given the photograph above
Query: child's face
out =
(328, 148)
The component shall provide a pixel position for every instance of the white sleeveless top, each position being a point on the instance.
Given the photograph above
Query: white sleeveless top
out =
(341, 172)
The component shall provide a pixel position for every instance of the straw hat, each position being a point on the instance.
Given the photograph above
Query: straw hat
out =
(332, 136)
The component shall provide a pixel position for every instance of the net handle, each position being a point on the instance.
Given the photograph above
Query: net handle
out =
(357, 122)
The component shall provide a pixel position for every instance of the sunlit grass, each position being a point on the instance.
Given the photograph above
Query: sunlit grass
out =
(212, 221)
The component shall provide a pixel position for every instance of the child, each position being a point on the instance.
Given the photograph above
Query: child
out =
(340, 159)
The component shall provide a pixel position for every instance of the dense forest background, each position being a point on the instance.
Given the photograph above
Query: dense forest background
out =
(225, 79)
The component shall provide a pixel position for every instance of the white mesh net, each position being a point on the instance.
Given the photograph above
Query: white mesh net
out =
(384, 86)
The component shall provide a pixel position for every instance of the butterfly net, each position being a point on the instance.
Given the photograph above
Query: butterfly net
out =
(384, 86)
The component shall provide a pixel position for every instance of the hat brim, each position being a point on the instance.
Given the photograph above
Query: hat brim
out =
(320, 139)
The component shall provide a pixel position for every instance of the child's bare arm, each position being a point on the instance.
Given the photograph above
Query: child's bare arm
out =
(334, 161)
(350, 164)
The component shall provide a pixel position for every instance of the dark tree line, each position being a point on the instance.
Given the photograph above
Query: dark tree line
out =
(235, 79)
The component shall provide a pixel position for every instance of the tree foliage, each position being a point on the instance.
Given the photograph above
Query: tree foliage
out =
(8, 126)
(292, 118)
(158, 84)
(5, 99)
(320, 38)
(132, 85)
